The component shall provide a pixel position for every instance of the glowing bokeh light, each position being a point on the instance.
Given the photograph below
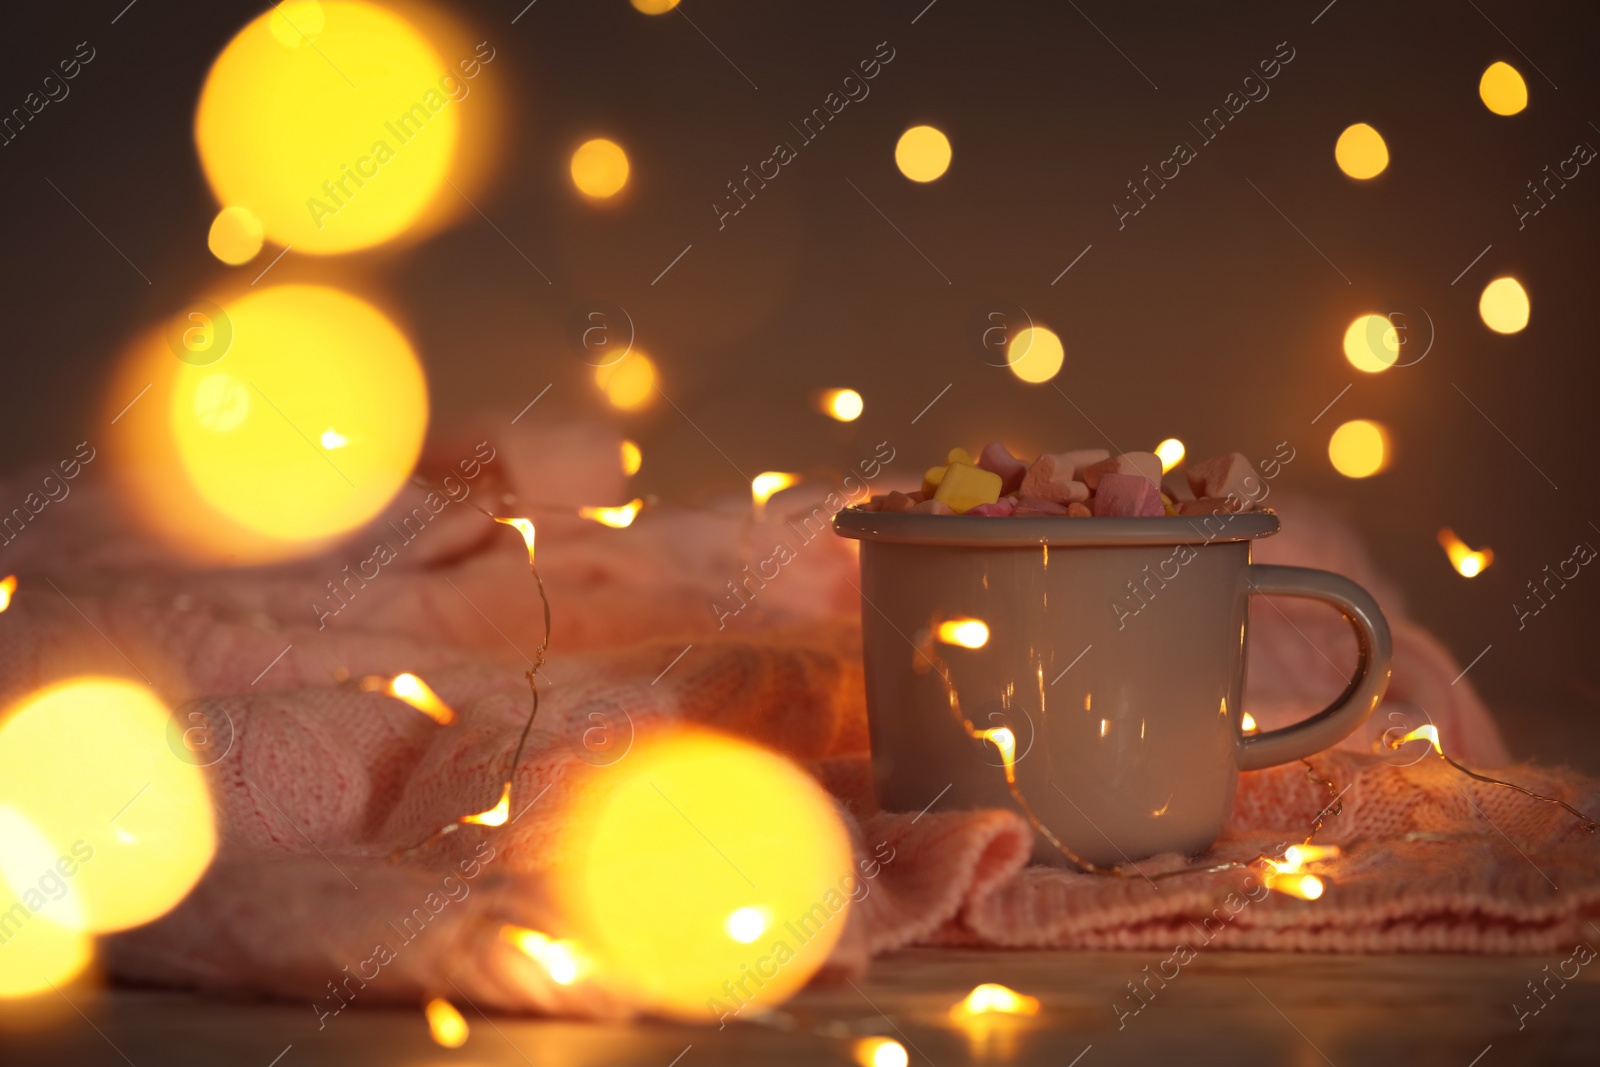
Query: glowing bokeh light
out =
(1304, 886)
(302, 357)
(632, 458)
(991, 1017)
(297, 23)
(42, 938)
(1170, 452)
(8, 588)
(629, 382)
(410, 689)
(1359, 448)
(1504, 305)
(994, 999)
(880, 1052)
(1360, 152)
(1502, 89)
(42, 956)
(650, 895)
(1371, 344)
(764, 485)
(654, 7)
(1468, 564)
(42, 945)
(337, 143)
(1299, 855)
(1285, 875)
(922, 153)
(560, 959)
(524, 527)
(746, 924)
(235, 236)
(991, 998)
(417, 693)
(445, 1024)
(599, 168)
(1005, 742)
(1426, 732)
(845, 405)
(87, 762)
(968, 633)
(617, 517)
(495, 816)
(1247, 723)
(1035, 354)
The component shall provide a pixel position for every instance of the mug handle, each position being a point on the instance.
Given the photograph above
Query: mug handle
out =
(1355, 705)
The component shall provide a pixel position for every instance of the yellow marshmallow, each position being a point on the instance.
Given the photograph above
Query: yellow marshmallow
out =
(965, 486)
(931, 479)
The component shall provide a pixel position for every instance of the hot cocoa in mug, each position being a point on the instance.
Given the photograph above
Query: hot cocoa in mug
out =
(1114, 654)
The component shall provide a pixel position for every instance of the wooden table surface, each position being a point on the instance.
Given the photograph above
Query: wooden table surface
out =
(1223, 1008)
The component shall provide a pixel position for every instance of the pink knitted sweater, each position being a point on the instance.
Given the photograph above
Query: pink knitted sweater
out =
(321, 782)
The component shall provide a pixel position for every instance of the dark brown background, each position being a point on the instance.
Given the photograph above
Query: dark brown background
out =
(1209, 317)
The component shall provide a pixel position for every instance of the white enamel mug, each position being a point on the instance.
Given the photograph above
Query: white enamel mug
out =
(1115, 656)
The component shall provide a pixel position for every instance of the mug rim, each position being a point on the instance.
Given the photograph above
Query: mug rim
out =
(1031, 531)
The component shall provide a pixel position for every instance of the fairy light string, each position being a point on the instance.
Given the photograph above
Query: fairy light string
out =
(539, 653)
(526, 528)
(1003, 739)
(1290, 869)
(968, 633)
(1430, 733)
(1292, 861)
(499, 814)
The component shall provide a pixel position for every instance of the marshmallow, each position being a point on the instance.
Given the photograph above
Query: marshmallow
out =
(1081, 458)
(1176, 485)
(1081, 484)
(1127, 494)
(1224, 475)
(1050, 478)
(1144, 464)
(1036, 507)
(965, 486)
(1208, 505)
(1010, 469)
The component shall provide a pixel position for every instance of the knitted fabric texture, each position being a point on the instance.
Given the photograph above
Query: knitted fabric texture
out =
(321, 782)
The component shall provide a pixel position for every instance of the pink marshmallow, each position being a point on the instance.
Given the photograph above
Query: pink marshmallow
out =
(1036, 507)
(931, 507)
(1208, 505)
(1076, 510)
(1177, 486)
(1222, 475)
(895, 502)
(1002, 507)
(1050, 478)
(995, 459)
(1146, 465)
(1127, 494)
(1081, 458)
